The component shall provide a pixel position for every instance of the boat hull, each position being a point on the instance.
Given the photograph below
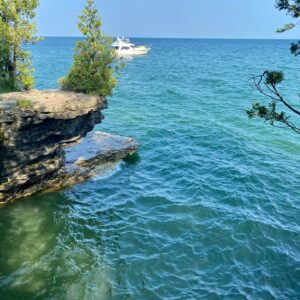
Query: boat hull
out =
(132, 52)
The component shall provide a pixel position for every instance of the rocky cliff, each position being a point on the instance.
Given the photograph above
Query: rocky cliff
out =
(42, 144)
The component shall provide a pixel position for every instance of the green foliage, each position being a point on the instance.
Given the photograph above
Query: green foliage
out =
(6, 88)
(292, 8)
(23, 103)
(16, 29)
(267, 83)
(267, 112)
(286, 27)
(295, 48)
(91, 72)
(273, 77)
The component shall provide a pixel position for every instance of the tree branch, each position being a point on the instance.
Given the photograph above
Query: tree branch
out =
(275, 94)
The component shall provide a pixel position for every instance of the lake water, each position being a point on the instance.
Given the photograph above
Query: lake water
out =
(209, 210)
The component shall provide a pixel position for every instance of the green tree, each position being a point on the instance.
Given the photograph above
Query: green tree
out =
(92, 71)
(17, 29)
(267, 83)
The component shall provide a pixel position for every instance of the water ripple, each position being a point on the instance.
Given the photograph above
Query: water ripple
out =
(210, 210)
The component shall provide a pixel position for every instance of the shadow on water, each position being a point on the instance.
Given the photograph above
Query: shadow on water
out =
(132, 159)
(27, 232)
(49, 248)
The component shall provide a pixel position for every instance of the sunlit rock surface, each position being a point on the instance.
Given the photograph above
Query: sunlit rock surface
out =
(42, 141)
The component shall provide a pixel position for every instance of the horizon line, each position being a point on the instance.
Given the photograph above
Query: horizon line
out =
(181, 38)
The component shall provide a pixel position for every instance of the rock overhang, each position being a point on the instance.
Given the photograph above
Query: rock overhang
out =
(40, 134)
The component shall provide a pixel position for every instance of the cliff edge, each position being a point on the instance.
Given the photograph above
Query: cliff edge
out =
(44, 143)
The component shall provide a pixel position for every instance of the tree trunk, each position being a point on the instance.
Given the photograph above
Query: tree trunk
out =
(13, 68)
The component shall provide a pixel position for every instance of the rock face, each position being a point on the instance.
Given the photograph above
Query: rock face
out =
(37, 132)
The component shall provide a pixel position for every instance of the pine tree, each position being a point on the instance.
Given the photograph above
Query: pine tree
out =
(92, 71)
(17, 29)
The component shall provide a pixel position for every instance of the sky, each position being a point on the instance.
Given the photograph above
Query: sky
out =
(169, 18)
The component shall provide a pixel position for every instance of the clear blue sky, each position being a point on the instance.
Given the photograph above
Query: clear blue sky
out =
(169, 18)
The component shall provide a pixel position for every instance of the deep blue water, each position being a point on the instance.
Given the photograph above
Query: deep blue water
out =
(210, 210)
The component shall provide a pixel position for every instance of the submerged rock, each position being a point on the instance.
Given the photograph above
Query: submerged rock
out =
(43, 144)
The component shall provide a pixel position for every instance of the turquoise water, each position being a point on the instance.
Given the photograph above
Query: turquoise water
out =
(209, 210)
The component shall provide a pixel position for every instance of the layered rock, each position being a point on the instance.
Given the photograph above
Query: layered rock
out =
(38, 129)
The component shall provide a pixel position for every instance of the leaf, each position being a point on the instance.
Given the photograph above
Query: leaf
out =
(286, 27)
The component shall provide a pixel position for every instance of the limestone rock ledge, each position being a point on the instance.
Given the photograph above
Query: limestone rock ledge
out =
(42, 144)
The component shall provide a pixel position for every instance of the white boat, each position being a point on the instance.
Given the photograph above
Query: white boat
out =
(124, 47)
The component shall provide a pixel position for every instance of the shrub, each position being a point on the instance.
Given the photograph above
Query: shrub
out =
(23, 103)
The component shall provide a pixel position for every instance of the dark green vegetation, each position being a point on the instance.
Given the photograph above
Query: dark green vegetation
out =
(267, 83)
(92, 71)
(16, 30)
